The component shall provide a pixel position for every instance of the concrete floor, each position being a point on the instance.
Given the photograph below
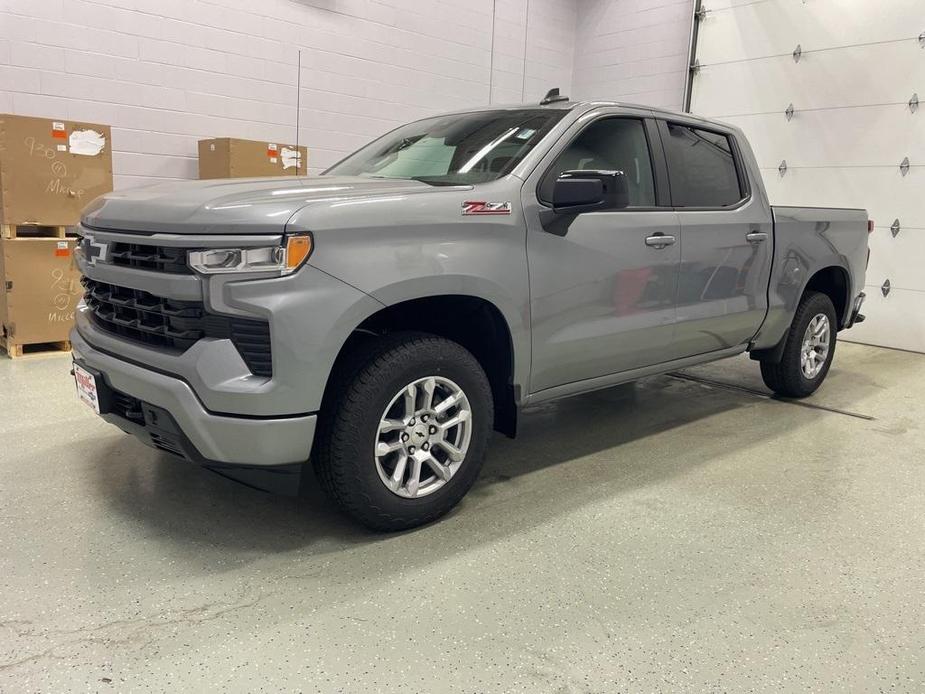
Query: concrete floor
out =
(663, 536)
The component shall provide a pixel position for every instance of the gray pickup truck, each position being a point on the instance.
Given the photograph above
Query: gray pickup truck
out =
(383, 318)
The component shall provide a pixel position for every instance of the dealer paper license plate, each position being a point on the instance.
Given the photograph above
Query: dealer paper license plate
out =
(86, 387)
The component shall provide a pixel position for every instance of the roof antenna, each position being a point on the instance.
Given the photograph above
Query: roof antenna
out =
(552, 96)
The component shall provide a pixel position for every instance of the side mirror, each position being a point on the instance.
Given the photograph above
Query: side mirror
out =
(584, 191)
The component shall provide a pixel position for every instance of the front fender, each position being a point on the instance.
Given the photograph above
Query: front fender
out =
(513, 312)
(311, 316)
(398, 249)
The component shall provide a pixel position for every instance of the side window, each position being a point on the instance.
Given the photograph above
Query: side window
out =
(609, 144)
(701, 168)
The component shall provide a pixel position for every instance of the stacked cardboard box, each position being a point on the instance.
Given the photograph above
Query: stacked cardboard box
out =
(49, 170)
(228, 157)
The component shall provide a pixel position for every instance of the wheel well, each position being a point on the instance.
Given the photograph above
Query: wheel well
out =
(832, 281)
(474, 323)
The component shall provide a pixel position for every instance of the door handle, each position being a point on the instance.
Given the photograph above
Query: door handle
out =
(660, 240)
(756, 237)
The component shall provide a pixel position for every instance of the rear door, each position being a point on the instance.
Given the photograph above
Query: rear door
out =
(603, 288)
(726, 239)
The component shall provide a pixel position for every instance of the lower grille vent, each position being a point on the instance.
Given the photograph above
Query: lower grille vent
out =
(167, 443)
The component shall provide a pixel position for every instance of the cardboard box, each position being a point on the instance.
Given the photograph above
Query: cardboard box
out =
(50, 169)
(40, 289)
(228, 157)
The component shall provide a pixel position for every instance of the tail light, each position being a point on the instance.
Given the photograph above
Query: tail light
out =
(870, 226)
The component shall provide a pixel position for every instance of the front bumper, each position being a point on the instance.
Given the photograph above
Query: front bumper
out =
(211, 438)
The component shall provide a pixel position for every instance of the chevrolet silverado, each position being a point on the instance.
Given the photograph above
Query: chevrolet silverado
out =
(378, 321)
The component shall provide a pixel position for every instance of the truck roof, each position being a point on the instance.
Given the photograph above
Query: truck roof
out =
(582, 106)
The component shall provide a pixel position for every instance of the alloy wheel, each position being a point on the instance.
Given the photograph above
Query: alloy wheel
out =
(815, 349)
(423, 436)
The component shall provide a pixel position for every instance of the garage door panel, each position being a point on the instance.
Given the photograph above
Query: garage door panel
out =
(888, 259)
(884, 192)
(876, 135)
(730, 4)
(819, 80)
(896, 320)
(739, 29)
(852, 127)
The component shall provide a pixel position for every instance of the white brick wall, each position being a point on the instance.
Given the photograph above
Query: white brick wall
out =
(632, 50)
(550, 32)
(166, 73)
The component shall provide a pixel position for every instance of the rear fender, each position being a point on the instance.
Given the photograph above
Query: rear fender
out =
(804, 244)
(780, 317)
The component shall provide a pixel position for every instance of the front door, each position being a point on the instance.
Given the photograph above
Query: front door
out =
(603, 290)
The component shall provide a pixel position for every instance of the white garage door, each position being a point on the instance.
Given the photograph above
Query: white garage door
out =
(850, 70)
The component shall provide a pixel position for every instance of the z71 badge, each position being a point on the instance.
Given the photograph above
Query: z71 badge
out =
(482, 207)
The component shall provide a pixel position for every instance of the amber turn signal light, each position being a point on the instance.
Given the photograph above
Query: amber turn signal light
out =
(298, 248)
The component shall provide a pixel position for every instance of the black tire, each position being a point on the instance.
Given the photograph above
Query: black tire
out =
(344, 455)
(787, 378)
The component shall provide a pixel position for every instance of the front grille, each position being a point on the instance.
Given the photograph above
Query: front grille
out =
(146, 257)
(173, 324)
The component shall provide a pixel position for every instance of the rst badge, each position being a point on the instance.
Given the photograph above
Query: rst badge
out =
(483, 207)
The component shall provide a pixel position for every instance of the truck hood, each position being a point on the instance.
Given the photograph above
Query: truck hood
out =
(229, 206)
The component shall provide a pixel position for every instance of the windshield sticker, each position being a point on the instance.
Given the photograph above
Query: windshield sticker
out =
(482, 207)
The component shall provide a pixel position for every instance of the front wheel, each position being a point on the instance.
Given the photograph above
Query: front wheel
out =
(808, 351)
(402, 438)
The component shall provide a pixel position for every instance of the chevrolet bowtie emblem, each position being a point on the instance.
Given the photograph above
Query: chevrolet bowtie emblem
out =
(95, 251)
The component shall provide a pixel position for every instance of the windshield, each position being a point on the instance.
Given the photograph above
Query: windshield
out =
(447, 150)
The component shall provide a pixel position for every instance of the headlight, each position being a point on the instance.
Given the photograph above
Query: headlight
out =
(281, 260)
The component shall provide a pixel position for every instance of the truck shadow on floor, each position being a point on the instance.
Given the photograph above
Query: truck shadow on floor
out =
(593, 446)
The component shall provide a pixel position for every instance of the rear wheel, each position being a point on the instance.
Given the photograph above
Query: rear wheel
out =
(808, 351)
(403, 436)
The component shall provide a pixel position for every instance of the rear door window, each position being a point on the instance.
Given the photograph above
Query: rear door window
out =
(701, 167)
